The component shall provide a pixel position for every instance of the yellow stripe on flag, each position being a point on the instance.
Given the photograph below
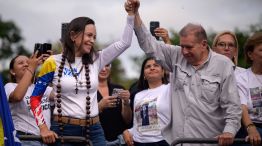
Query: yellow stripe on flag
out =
(1, 133)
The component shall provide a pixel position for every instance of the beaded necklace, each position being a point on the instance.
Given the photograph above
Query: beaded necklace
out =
(59, 100)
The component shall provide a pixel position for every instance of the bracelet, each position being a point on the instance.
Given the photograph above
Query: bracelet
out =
(30, 71)
(250, 125)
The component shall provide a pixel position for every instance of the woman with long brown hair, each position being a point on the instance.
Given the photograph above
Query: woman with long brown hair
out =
(74, 75)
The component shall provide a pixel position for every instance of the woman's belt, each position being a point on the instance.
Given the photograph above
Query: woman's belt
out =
(76, 121)
(22, 133)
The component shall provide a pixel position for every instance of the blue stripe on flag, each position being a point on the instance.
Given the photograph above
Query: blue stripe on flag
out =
(9, 130)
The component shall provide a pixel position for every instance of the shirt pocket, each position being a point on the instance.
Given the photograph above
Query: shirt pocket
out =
(180, 80)
(210, 88)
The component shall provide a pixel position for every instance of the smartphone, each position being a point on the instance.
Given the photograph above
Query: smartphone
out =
(116, 93)
(42, 48)
(153, 26)
(46, 48)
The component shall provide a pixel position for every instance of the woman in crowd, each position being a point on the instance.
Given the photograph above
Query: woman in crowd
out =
(225, 43)
(74, 75)
(114, 109)
(250, 90)
(151, 106)
(19, 90)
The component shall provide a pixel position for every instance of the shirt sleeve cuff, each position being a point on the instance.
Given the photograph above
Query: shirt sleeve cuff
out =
(233, 129)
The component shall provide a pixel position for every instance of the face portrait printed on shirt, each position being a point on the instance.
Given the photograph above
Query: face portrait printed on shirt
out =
(146, 115)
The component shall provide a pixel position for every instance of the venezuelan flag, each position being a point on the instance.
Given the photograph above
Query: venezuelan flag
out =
(10, 137)
(1, 133)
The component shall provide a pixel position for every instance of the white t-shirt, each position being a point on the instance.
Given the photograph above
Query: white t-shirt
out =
(239, 70)
(22, 115)
(250, 92)
(151, 113)
(74, 104)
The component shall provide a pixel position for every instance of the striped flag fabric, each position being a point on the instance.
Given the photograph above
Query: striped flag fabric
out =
(10, 136)
(1, 133)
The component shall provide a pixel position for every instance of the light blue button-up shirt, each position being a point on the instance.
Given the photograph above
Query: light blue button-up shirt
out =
(204, 101)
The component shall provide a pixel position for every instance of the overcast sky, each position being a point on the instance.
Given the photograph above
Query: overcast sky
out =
(40, 20)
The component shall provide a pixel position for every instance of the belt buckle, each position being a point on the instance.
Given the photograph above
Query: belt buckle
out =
(67, 120)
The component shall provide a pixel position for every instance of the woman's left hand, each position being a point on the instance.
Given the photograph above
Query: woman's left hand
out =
(45, 56)
(124, 94)
(253, 136)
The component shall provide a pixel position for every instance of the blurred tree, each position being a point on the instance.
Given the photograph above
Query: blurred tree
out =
(241, 38)
(10, 40)
(174, 37)
(10, 44)
(118, 74)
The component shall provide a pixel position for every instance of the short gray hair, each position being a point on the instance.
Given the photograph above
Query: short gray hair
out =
(198, 31)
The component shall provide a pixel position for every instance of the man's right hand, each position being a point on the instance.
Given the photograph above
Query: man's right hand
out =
(132, 6)
(47, 135)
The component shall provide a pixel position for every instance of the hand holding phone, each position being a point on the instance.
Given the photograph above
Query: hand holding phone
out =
(42, 48)
(153, 26)
(116, 93)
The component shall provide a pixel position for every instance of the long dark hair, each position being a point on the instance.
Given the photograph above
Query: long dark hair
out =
(77, 25)
(11, 67)
(142, 83)
(250, 45)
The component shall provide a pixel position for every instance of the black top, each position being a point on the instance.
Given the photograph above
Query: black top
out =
(133, 91)
(111, 118)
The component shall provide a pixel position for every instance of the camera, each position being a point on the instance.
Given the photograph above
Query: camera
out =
(116, 93)
(42, 48)
(153, 26)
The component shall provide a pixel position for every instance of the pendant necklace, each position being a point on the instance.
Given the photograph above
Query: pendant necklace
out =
(75, 76)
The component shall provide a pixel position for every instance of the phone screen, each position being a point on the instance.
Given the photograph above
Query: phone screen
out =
(153, 26)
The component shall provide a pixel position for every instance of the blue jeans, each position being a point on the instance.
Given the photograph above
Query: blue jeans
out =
(32, 143)
(159, 143)
(96, 134)
(113, 143)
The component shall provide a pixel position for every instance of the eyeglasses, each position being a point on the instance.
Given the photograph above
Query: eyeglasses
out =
(224, 45)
